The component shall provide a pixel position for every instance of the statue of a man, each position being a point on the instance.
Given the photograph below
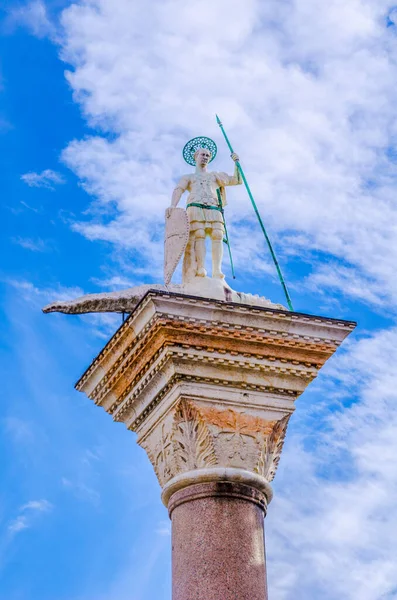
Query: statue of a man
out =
(204, 208)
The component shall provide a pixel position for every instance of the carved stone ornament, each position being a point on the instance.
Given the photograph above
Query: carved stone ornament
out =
(271, 451)
(200, 438)
(192, 442)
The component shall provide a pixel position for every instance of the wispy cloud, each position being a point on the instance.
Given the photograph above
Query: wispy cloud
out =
(18, 429)
(18, 524)
(27, 515)
(37, 505)
(37, 245)
(33, 16)
(348, 281)
(32, 208)
(36, 295)
(82, 491)
(103, 325)
(46, 179)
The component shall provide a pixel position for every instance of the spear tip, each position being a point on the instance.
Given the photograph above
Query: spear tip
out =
(218, 120)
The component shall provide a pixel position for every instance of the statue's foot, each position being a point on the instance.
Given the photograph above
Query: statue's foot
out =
(201, 273)
(218, 275)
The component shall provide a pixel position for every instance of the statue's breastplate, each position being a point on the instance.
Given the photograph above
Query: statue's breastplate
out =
(203, 189)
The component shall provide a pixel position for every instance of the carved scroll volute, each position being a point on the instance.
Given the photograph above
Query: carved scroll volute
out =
(271, 452)
(192, 442)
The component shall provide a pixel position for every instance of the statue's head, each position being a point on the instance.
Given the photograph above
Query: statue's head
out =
(202, 156)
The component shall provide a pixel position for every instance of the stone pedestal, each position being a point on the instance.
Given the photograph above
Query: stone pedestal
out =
(209, 387)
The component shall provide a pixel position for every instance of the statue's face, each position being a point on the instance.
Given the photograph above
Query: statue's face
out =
(203, 157)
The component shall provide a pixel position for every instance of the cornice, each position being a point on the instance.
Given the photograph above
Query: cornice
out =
(126, 360)
(245, 362)
(208, 327)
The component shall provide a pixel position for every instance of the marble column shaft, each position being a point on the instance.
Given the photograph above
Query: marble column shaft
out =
(223, 554)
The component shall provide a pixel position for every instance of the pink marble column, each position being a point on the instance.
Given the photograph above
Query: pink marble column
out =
(218, 550)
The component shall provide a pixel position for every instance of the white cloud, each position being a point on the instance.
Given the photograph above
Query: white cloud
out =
(32, 15)
(82, 491)
(102, 325)
(27, 515)
(32, 208)
(348, 282)
(37, 505)
(306, 91)
(331, 529)
(37, 296)
(18, 524)
(37, 245)
(46, 179)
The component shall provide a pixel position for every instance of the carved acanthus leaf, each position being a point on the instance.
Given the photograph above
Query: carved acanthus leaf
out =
(271, 452)
(192, 442)
(161, 456)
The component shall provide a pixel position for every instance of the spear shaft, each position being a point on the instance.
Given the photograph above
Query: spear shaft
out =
(226, 240)
(247, 187)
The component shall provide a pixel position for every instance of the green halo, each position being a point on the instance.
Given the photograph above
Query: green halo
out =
(193, 145)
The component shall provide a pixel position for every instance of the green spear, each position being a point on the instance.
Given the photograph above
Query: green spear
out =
(226, 239)
(247, 187)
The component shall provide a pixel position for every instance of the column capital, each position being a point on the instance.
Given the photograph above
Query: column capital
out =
(209, 386)
(201, 444)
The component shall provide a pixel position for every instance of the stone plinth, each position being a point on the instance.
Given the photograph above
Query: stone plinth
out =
(209, 387)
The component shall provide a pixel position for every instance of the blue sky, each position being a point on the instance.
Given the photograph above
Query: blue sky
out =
(97, 100)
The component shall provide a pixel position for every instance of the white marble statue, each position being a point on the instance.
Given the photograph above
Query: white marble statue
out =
(185, 235)
(204, 211)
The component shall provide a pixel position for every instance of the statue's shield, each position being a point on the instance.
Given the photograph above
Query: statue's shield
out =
(175, 241)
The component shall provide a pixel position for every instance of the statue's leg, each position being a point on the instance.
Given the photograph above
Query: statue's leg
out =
(199, 247)
(189, 262)
(217, 250)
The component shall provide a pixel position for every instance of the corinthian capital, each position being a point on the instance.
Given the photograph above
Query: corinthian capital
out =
(199, 436)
